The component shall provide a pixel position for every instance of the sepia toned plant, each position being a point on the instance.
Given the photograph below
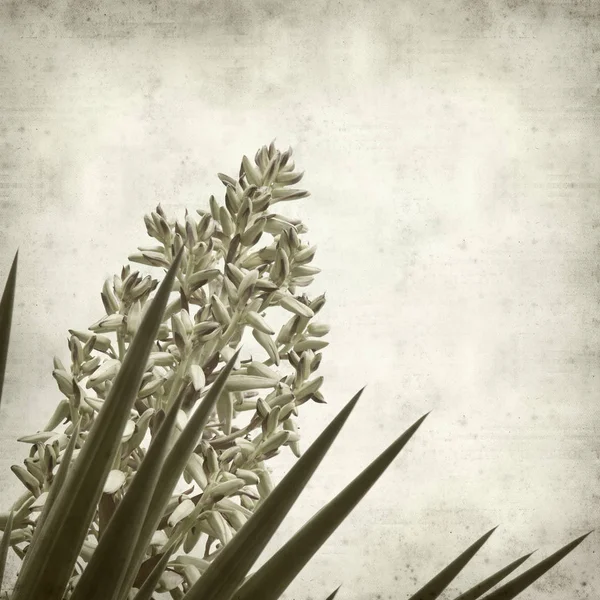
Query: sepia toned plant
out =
(151, 474)
(226, 284)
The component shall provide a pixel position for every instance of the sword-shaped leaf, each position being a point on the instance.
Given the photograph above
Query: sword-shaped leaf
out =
(55, 488)
(487, 584)
(6, 311)
(148, 587)
(272, 579)
(513, 588)
(334, 593)
(173, 468)
(47, 572)
(440, 582)
(232, 564)
(102, 577)
(5, 545)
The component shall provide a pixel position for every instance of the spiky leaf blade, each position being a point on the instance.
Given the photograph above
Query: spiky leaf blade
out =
(432, 589)
(148, 587)
(102, 578)
(54, 554)
(271, 580)
(487, 584)
(55, 488)
(334, 593)
(232, 564)
(513, 588)
(5, 545)
(173, 468)
(6, 312)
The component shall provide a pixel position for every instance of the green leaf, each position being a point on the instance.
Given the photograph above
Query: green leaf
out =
(55, 488)
(271, 580)
(173, 468)
(6, 311)
(47, 573)
(233, 562)
(102, 578)
(513, 588)
(5, 545)
(334, 593)
(148, 587)
(487, 584)
(440, 582)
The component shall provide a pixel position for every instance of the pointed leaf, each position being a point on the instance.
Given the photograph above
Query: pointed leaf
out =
(233, 562)
(513, 588)
(102, 578)
(487, 584)
(54, 554)
(440, 582)
(6, 311)
(174, 466)
(148, 587)
(5, 545)
(55, 489)
(271, 580)
(334, 593)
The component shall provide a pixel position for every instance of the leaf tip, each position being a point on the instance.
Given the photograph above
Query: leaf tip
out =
(13, 268)
(419, 421)
(334, 593)
(484, 538)
(355, 398)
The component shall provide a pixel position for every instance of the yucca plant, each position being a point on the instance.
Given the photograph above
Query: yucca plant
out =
(130, 560)
(241, 263)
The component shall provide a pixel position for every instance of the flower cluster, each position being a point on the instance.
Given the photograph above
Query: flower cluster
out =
(240, 261)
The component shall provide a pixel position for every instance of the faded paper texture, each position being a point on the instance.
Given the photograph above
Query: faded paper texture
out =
(451, 151)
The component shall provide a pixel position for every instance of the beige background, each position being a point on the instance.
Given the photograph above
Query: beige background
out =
(451, 151)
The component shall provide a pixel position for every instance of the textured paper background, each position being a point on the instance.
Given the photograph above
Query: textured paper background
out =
(451, 151)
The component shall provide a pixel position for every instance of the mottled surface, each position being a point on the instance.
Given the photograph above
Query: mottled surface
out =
(451, 149)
